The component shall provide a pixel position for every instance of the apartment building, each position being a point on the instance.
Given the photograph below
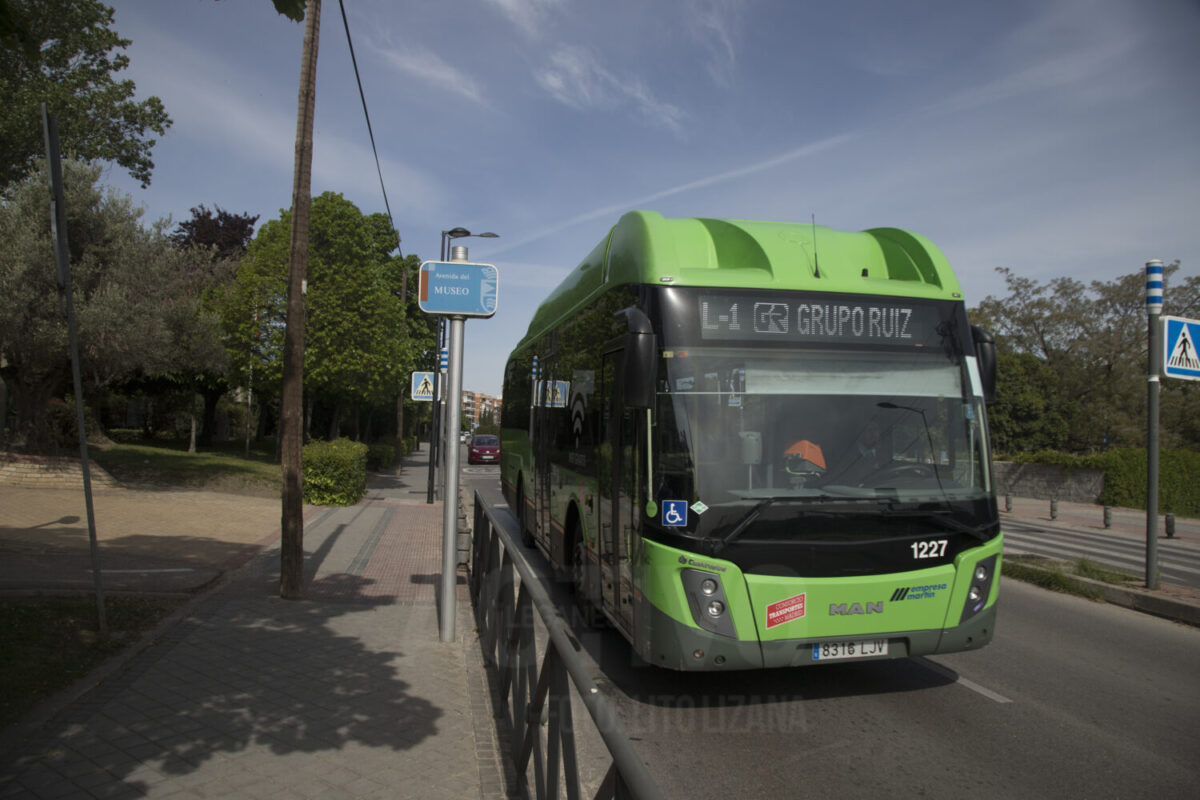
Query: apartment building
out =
(478, 408)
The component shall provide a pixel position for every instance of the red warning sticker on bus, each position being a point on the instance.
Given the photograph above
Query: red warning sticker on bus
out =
(785, 610)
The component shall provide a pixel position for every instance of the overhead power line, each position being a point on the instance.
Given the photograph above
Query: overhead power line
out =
(367, 115)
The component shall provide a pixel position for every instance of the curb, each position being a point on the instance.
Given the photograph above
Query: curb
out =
(1142, 600)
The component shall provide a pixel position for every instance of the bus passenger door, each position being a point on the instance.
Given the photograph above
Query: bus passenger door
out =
(618, 489)
(626, 513)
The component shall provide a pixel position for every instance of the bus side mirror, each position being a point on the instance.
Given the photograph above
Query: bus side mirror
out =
(985, 354)
(640, 359)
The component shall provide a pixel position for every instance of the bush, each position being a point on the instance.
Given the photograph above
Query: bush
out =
(380, 456)
(335, 473)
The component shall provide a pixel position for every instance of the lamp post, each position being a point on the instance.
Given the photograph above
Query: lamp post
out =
(436, 451)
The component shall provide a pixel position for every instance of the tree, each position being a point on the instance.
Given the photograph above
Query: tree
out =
(1025, 417)
(130, 298)
(1092, 340)
(360, 343)
(69, 62)
(226, 234)
(204, 365)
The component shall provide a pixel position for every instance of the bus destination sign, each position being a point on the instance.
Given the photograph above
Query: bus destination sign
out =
(899, 323)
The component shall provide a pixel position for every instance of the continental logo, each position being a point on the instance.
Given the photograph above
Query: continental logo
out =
(692, 562)
(926, 592)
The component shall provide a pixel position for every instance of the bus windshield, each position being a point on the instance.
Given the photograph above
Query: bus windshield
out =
(740, 425)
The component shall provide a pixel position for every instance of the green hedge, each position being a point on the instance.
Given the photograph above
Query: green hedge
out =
(335, 473)
(380, 456)
(1125, 476)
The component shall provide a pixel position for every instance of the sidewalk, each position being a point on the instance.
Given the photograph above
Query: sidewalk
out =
(347, 693)
(1085, 516)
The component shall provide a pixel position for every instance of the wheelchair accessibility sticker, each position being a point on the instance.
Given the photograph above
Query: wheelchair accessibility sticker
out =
(675, 513)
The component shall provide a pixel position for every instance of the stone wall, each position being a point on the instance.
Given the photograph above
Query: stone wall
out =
(1044, 482)
(49, 472)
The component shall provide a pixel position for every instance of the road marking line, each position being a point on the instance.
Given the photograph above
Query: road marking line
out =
(946, 672)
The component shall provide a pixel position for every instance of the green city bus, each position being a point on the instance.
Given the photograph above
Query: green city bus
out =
(760, 444)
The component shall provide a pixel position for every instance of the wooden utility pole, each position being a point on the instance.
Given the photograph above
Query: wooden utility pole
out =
(291, 416)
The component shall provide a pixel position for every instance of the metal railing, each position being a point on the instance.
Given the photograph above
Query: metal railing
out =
(504, 614)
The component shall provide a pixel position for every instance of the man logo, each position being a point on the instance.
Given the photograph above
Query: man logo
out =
(843, 610)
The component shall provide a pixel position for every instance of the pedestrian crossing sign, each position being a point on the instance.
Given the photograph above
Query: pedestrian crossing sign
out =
(422, 387)
(1180, 359)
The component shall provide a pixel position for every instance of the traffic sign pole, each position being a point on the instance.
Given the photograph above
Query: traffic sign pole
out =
(1154, 299)
(450, 495)
(455, 289)
(435, 418)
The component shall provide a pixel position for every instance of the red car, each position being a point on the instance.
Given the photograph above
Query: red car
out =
(484, 449)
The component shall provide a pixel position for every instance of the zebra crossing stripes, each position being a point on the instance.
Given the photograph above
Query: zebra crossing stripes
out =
(1178, 561)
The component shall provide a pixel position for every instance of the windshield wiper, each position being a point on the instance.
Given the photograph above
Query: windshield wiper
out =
(942, 518)
(751, 515)
(766, 502)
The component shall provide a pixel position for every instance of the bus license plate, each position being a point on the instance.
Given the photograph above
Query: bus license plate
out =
(863, 648)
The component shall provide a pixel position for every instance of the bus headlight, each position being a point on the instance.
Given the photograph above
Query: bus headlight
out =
(707, 601)
(980, 589)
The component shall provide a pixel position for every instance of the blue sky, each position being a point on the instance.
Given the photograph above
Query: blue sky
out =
(1053, 137)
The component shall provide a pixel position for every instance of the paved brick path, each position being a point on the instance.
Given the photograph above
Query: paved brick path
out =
(347, 693)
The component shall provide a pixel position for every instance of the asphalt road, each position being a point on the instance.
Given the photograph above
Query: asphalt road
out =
(1071, 699)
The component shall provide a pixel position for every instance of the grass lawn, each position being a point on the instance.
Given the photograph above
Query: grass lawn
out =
(169, 465)
(1056, 575)
(46, 644)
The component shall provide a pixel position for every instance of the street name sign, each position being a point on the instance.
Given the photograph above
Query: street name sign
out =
(1180, 358)
(422, 387)
(458, 288)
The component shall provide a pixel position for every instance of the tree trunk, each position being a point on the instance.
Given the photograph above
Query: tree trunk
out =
(192, 431)
(291, 566)
(30, 399)
(208, 423)
(335, 422)
(3, 412)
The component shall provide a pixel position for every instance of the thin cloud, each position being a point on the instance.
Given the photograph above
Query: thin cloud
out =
(429, 68)
(1067, 47)
(614, 209)
(576, 78)
(715, 24)
(526, 15)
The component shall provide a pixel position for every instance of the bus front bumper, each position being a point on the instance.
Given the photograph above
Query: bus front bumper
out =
(673, 646)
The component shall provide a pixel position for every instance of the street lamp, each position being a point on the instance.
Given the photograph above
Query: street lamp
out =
(463, 233)
(435, 450)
